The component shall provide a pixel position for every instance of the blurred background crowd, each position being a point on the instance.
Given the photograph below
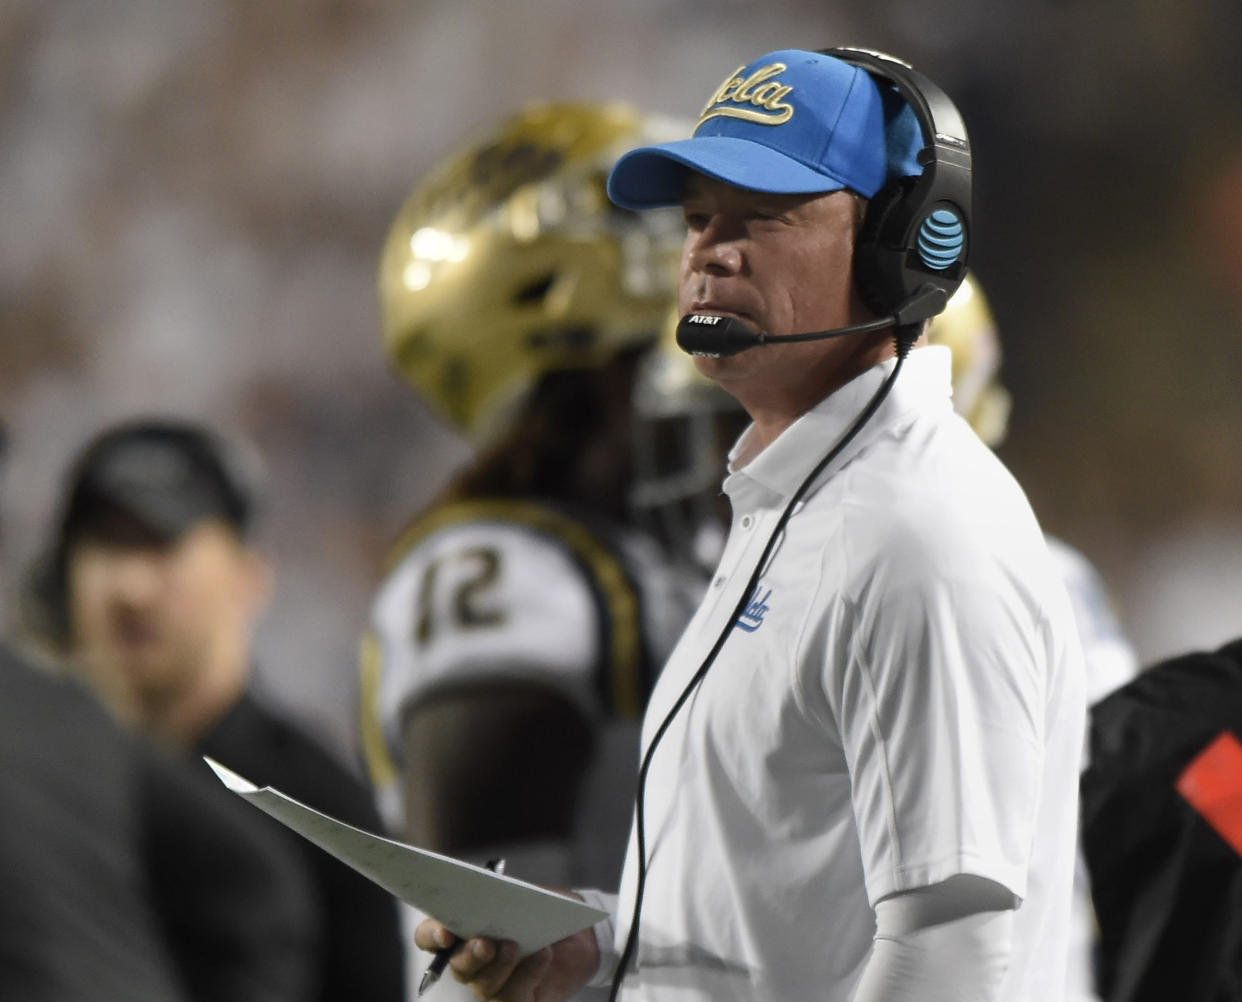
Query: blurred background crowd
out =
(194, 195)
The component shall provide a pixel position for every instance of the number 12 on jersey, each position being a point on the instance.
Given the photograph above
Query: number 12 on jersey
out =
(459, 587)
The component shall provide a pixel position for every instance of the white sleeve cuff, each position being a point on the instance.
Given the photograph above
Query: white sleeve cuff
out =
(947, 943)
(605, 935)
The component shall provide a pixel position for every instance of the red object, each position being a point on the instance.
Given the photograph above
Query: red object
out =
(1212, 785)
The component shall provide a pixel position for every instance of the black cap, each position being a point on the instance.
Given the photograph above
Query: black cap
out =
(159, 477)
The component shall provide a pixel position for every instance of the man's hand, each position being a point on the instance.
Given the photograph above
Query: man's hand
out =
(494, 971)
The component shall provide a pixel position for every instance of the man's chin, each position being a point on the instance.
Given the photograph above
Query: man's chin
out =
(143, 668)
(727, 369)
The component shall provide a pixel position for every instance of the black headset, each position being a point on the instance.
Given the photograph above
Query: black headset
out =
(916, 232)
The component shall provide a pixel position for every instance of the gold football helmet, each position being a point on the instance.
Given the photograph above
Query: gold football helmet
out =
(968, 329)
(508, 262)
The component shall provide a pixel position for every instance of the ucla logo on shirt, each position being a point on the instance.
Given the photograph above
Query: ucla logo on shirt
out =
(756, 608)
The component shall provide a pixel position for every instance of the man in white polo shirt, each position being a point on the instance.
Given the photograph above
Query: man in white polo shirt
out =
(860, 769)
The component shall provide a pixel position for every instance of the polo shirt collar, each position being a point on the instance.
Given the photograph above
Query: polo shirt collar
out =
(777, 471)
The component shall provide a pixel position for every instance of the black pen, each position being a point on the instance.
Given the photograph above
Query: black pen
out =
(440, 961)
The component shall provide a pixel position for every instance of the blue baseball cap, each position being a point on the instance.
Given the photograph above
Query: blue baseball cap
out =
(792, 121)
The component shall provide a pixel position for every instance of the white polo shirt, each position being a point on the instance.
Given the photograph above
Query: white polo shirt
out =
(900, 702)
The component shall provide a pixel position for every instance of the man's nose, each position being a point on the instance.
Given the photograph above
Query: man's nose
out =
(135, 577)
(716, 249)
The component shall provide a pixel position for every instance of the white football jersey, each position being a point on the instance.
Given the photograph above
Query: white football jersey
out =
(1108, 656)
(511, 589)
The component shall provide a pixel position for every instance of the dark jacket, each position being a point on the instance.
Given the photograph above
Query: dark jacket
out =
(362, 956)
(120, 879)
(1166, 873)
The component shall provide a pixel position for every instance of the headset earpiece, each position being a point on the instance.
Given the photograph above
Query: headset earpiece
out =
(878, 287)
(915, 235)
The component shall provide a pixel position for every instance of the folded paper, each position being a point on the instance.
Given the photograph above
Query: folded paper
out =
(469, 899)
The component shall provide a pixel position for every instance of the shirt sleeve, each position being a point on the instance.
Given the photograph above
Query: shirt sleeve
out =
(605, 931)
(940, 703)
(960, 956)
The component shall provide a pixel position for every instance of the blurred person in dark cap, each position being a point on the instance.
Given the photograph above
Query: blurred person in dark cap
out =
(119, 877)
(153, 588)
(151, 585)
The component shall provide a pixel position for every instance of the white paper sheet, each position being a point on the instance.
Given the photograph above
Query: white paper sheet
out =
(469, 899)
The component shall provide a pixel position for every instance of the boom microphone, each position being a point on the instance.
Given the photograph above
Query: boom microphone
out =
(709, 334)
(717, 336)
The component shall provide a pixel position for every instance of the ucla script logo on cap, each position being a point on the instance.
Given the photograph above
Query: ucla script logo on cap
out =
(754, 98)
(792, 122)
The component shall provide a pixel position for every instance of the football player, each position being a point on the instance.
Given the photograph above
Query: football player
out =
(523, 614)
